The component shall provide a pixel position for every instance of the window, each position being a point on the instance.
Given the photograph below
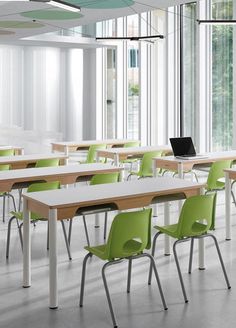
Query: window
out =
(222, 77)
(188, 71)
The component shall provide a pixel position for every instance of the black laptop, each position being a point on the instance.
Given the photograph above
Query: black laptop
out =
(183, 148)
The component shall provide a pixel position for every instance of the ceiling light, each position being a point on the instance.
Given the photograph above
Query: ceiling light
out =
(131, 38)
(57, 3)
(217, 22)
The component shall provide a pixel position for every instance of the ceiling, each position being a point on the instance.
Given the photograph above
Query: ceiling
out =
(21, 19)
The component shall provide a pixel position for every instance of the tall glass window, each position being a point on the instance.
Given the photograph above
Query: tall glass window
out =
(222, 76)
(133, 113)
(188, 71)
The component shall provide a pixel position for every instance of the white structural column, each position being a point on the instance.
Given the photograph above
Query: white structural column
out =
(227, 206)
(26, 246)
(53, 272)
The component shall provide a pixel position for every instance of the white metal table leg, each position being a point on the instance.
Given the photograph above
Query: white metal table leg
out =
(181, 176)
(227, 206)
(26, 246)
(201, 247)
(53, 293)
(66, 151)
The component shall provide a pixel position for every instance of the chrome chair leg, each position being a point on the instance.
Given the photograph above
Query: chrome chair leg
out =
(178, 269)
(191, 256)
(66, 240)
(83, 279)
(153, 254)
(129, 274)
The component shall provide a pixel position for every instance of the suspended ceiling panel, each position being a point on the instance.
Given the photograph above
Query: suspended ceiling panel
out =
(20, 19)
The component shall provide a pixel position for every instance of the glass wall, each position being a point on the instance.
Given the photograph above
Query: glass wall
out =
(222, 76)
(188, 71)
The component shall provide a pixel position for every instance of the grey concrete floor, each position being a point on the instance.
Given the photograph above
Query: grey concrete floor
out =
(210, 303)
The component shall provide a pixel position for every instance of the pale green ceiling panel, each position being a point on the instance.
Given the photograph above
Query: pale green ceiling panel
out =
(51, 14)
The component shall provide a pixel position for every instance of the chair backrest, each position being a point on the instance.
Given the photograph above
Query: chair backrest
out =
(7, 152)
(196, 215)
(42, 186)
(104, 178)
(146, 166)
(132, 144)
(130, 234)
(4, 167)
(216, 172)
(91, 156)
(47, 162)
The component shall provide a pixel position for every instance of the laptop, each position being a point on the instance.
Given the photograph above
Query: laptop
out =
(183, 148)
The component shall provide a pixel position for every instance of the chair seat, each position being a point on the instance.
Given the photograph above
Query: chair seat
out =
(218, 186)
(34, 216)
(132, 247)
(98, 251)
(171, 230)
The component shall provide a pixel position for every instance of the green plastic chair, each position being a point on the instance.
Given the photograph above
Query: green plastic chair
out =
(130, 161)
(129, 236)
(146, 166)
(18, 216)
(41, 163)
(47, 162)
(214, 183)
(97, 179)
(91, 155)
(194, 222)
(5, 167)
(7, 152)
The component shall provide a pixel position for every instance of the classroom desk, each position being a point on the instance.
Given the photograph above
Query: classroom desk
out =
(72, 146)
(17, 150)
(66, 174)
(24, 161)
(230, 174)
(181, 165)
(119, 154)
(66, 203)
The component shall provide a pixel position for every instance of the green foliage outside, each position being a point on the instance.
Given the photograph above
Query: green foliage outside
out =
(133, 89)
(222, 77)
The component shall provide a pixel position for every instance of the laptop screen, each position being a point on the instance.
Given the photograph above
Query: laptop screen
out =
(182, 146)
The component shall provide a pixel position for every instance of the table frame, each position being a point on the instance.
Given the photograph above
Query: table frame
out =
(134, 194)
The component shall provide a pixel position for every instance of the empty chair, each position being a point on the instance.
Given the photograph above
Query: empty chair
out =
(97, 179)
(146, 167)
(47, 162)
(130, 161)
(91, 155)
(3, 195)
(129, 237)
(194, 223)
(18, 216)
(6, 152)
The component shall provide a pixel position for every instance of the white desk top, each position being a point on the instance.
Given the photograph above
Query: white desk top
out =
(113, 191)
(92, 142)
(80, 169)
(134, 150)
(31, 157)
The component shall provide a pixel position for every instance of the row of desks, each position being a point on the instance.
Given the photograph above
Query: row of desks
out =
(65, 203)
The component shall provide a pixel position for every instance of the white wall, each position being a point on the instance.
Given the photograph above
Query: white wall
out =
(41, 90)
